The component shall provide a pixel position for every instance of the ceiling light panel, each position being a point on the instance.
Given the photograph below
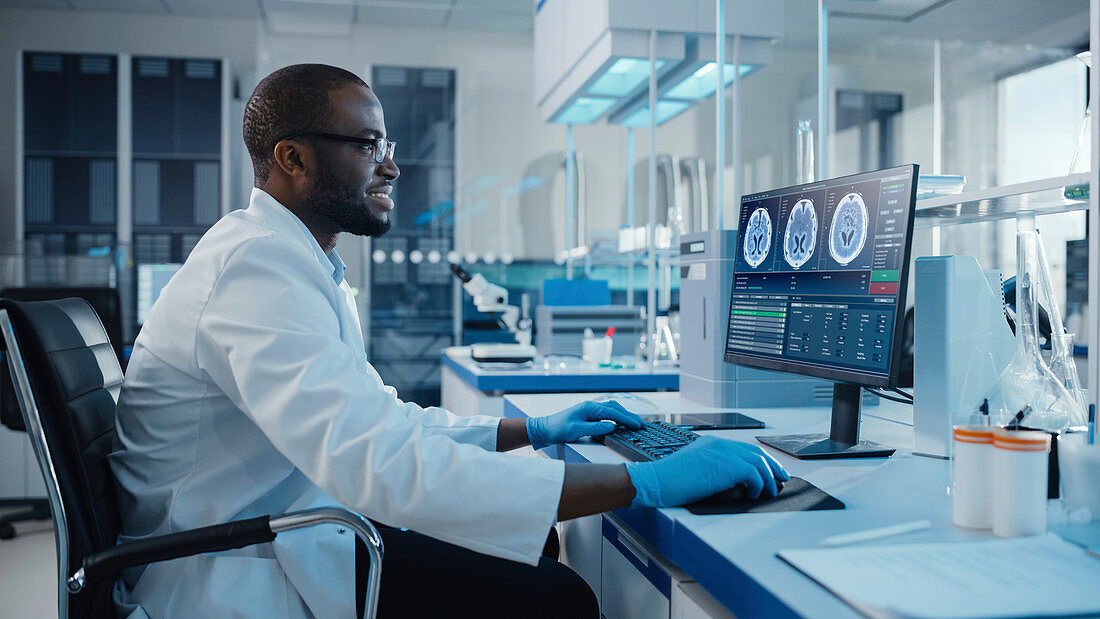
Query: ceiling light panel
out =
(702, 82)
(666, 110)
(623, 77)
(585, 110)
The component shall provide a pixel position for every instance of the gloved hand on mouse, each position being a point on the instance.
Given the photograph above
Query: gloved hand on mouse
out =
(707, 466)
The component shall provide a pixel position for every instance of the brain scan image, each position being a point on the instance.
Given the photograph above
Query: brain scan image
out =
(848, 232)
(758, 237)
(800, 238)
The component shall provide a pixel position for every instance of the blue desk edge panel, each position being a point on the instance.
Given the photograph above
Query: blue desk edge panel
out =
(563, 383)
(721, 578)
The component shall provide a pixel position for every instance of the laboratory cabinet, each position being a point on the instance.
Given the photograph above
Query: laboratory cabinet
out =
(635, 581)
(68, 161)
(122, 166)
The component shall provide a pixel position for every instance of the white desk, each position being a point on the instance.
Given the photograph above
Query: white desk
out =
(470, 389)
(734, 558)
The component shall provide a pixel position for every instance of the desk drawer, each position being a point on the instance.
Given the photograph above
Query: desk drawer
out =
(634, 584)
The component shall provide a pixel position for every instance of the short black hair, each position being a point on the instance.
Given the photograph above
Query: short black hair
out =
(294, 99)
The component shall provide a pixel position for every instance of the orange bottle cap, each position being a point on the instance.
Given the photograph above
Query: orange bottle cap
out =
(1021, 440)
(974, 434)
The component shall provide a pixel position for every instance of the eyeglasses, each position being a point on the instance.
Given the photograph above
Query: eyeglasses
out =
(380, 148)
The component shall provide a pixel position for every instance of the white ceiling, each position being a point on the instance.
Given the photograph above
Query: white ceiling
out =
(494, 15)
(1048, 23)
(1042, 23)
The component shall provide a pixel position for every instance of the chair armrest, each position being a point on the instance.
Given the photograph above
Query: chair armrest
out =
(237, 534)
(106, 565)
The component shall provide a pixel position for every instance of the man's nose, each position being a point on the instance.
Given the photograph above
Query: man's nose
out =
(388, 169)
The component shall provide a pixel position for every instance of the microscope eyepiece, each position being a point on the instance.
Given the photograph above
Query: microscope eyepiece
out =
(460, 273)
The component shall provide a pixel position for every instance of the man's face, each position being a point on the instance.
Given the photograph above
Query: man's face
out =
(349, 188)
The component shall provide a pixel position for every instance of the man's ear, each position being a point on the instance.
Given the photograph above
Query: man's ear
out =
(293, 157)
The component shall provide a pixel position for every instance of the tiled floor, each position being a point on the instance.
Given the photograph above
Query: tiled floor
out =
(28, 576)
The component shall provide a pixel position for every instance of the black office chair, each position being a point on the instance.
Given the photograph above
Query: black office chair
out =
(106, 303)
(67, 381)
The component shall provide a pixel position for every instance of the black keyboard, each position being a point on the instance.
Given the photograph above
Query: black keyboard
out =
(656, 440)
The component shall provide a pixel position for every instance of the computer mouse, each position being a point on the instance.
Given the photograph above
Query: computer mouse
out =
(743, 492)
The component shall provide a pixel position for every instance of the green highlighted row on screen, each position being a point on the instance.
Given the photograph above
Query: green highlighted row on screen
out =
(759, 313)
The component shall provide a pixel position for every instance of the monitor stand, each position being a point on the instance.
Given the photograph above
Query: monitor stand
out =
(843, 438)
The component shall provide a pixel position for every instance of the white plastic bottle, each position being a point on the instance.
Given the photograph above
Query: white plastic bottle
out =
(1020, 482)
(972, 483)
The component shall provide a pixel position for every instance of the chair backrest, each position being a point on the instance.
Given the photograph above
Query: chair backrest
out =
(74, 380)
(105, 301)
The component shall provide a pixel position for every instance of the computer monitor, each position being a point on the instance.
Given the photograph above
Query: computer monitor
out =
(152, 278)
(819, 284)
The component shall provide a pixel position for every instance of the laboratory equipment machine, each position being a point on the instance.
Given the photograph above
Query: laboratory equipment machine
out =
(706, 278)
(493, 299)
(561, 327)
(819, 283)
(963, 344)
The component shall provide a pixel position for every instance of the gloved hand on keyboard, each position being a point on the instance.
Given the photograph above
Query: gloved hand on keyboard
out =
(705, 467)
(584, 419)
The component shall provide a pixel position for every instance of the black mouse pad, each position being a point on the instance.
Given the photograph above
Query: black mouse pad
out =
(798, 495)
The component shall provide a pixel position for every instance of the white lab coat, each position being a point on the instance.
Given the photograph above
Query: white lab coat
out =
(249, 393)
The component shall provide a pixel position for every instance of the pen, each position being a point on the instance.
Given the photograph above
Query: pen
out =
(1015, 423)
(870, 534)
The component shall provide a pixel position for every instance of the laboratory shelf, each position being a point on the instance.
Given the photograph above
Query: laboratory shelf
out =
(1040, 197)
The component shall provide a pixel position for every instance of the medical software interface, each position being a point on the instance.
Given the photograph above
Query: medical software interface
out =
(817, 273)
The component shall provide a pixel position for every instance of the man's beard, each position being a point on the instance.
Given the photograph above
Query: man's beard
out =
(344, 206)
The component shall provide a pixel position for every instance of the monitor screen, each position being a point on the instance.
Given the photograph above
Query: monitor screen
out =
(820, 277)
(151, 279)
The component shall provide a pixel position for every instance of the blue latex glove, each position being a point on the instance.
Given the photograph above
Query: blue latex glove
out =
(584, 419)
(706, 466)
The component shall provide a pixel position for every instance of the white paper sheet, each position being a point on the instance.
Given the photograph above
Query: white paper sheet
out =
(1031, 576)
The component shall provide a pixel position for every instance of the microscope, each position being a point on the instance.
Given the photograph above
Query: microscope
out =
(493, 299)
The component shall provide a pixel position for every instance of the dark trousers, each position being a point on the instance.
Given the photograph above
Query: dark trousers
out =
(424, 577)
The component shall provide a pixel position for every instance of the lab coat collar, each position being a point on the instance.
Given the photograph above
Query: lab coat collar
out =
(279, 217)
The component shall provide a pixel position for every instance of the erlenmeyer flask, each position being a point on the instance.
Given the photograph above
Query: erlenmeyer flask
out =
(1028, 380)
(1061, 342)
(1064, 368)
